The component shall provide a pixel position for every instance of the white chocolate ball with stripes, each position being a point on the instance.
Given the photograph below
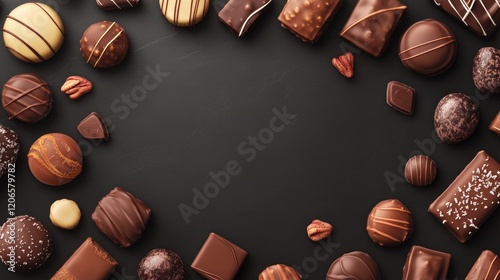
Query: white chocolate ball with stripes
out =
(184, 12)
(420, 171)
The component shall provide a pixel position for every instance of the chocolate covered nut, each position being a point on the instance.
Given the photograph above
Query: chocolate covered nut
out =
(76, 86)
(456, 118)
(495, 125)
(390, 223)
(423, 263)
(354, 265)
(239, 15)
(486, 70)
(344, 64)
(318, 230)
(9, 148)
(65, 213)
(487, 267)
(93, 127)
(184, 13)
(420, 171)
(117, 4)
(400, 97)
(160, 264)
(279, 272)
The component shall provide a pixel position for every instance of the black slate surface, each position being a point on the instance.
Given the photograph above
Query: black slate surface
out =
(216, 94)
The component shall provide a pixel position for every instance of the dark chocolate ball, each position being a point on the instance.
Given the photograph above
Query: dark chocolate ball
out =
(420, 170)
(55, 159)
(27, 97)
(161, 264)
(390, 223)
(279, 272)
(354, 265)
(9, 147)
(24, 243)
(456, 118)
(104, 44)
(486, 70)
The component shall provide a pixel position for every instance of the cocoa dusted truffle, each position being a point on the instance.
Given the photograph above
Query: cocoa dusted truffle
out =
(160, 264)
(456, 118)
(486, 70)
(9, 147)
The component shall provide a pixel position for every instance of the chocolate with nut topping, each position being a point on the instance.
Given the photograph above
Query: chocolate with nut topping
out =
(239, 15)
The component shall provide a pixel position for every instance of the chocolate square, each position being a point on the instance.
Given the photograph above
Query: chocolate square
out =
(424, 264)
(495, 125)
(239, 15)
(371, 24)
(400, 97)
(471, 198)
(487, 267)
(218, 258)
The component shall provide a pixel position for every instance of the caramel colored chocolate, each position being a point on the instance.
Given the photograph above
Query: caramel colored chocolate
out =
(239, 15)
(426, 264)
(495, 125)
(390, 223)
(117, 4)
(401, 97)
(420, 171)
(469, 200)
(93, 127)
(308, 19)
(354, 265)
(487, 267)
(279, 272)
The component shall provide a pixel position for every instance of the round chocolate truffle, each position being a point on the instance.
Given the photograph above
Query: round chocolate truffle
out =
(428, 47)
(354, 265)
(55, 159)
(9, 147)
(486, 70)
(456, 118)
(420, 171)
(390, 223)
(25, 244)
(184, 13)
(279, 272)
(104, 44)
(27, 98)
(161, 264)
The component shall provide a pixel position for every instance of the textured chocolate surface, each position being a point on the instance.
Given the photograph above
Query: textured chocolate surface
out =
(32, 242)
(121, 216)
(420, 170)
(371, 24)
(471, 198)
(27, 97)
(480, 16)
(495, 125)
(426, 264)
(400, 97)
(117, 4)
(487, 267)
(456, 118)
(90, 262)
(354, 265)
(239, 15)
(218, 258)
(308, 19)
(428, 47)
(55, 159)
(104, 44)
(486, 70)
(9, 147)
(279, 272)
(389, 223)
(93, 127)
(160, 264)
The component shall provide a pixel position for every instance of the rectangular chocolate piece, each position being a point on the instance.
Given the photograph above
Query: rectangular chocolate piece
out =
(308, 19)
(487, 267)
(400, 97)
(471, 198)
(239, 15)
(495, 125)
(480, 16)
(425, 264)
(218, 259)
(371, 24)
(117, 4)
(88, 262)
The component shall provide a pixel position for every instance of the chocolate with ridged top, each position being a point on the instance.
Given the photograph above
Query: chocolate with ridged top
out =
(279, 272)
(487, 267)
(354, 265)
(456, 118)
(389, 223)
(160, 264)
(9, 147)
(117, 4)
(239, 15)
(420, 171)
(486, 70)
(425, 264)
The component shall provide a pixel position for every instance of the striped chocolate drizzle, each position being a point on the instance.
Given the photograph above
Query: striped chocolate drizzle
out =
(447, 41)
(193, 10)
(403, 7)
(390, 223)
(279, 272)
(420, 170)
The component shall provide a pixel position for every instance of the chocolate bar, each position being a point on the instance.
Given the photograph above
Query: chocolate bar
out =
(487, 267)
(239, 15)
(423, 263)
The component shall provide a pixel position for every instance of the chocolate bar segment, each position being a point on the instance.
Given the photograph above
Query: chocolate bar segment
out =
(308, 19)
(425, 264)
(117, 4)
(400, 97)
(480, 16)
(371, 24)
(471, 198)
(487, 267)
(239, 15)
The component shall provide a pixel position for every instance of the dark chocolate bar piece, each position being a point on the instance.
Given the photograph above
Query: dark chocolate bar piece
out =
(487, 267)
(308, 19)
(400, 97)
(471, 198)
(239, 15)
(371, 24)
(117, 4)
(495, 125)
(426, 264)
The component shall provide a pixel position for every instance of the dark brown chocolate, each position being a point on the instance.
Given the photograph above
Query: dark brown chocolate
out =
(117, 4)
(469, 200)
(390, 223)
(160, 264)
(371, 24)
(354, 265)
(121, 216)
(495, 125)
(279, 272)
(486, 70)
(400, 97)
(487, 267)
(239, 15)
(420, 171)
(9, 148)
(456, 118)
(93, 127)
(425, 264)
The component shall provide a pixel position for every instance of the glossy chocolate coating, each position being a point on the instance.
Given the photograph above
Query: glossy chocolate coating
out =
(420, 171)
(104, 44)
(27, 97)
(308, 19)
(239, 15)
(354, 265)
(218, 258)
(184, 12)
(9, 148)
(470, 199)
(495, 125)
(390, 223)
(426, 264)
(117, 4)
(486, 70)
(55, 159)
(161, 264)
(371, 24)
(33, 243)
(93, 127)
(279, 272)
(487, 267)
(456, 118)
(400, 97)
(121, 216)
(90, 262)
(428, 47)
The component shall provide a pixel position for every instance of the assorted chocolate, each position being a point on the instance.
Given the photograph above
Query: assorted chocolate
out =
(487, 267)
(239, 15)
(420, 171)
(401, 97)
(93, 127)
(160, 264)
(486, 70)
(423, 263)
(185, 13)
(389, 223)
(117, 4)
(354, 265)
(279, 272)
(9, 148)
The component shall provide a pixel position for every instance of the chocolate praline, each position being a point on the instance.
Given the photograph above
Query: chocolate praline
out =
(486, 70)
(389, 223)
(161, 264)
(354, 265)
(279, 272)
(9, 147)
(420, 171)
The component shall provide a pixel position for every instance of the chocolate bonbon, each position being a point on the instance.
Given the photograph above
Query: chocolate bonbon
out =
(117, 4)
(26, 97)
(9, 148)
(33, 32)
(32, 244)
(428, 47)
(65, 213)
(371, 24)
(456, 118)
(389, 223)
(308, 19)
(90, 262)
(471, 198)
(423, 263)
(420, 170)
(487, 267)
(93, 127)
(121, 216)
(279, 272)
(160, 264)
(354, 265)
(495, 125)
(184, 13)
(401, 97)
(55, 159)
(486, 70)
(239, 15)
(218, 258)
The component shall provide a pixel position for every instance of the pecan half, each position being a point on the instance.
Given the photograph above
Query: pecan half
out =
(318, 230)
(345, 64)
(76, 86)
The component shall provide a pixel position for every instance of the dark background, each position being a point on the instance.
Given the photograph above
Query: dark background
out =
(328, 164)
